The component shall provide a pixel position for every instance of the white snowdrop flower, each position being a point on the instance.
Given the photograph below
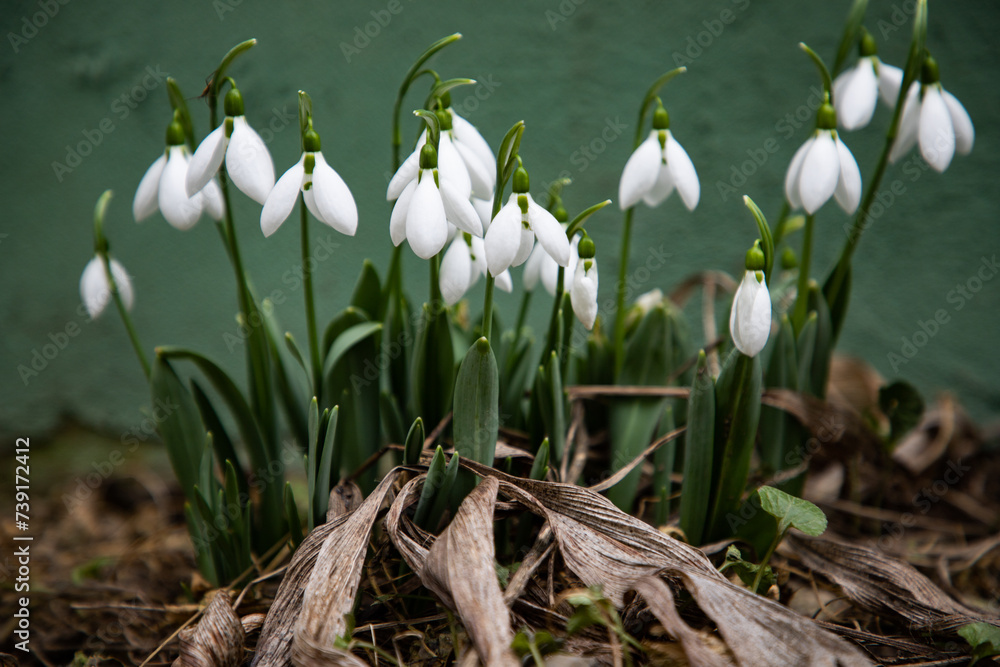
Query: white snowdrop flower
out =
(513, 231)
(163, 188)
(425, 207)
(651, 299)
(583, 295)
(856, 90)
(248, 161)
(95, 289)
(657, 166)
(326, 195)
(451, 167)
(484, 208)
(462, 266)
(541, 267)
(936, 119)
(470, 144)
(823, 167)
(750, 317)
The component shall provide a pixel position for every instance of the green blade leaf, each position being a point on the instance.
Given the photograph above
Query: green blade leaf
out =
(347, 340)
(414, 443)
(699, 442)
(181, 428)
(324, 475)
(368, 291)
(540, 466)
(476, 420)
(432, 484)
(792, 512)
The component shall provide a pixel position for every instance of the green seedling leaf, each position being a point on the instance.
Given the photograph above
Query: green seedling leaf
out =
(367, 294)
(432, 485)
(476, 420)
(663, 466)
(348, 339)
(414, 442)
(224, 450)
(324, 473)
(297, 353)
(181, 428)
(792, 512)
(747, 571)
(983, 638)
(903, 405)
(540, 466)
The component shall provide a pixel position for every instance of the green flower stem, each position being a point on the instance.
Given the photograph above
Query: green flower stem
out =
(802, 293)
(620, 303)
(766, 559)
(522, 314)
(126, 318)
(553, 344)
(488, 306)
(779, 228)
(307, 285)
(436, 300)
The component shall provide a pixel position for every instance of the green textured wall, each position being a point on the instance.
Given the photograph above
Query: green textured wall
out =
(574, 70)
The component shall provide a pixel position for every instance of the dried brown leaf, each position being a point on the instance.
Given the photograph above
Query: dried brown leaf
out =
(217, 640)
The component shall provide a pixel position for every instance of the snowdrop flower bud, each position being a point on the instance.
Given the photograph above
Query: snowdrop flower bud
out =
(163, 187)
(656, 167)
(583, 295)
(463, 264)
(935, 118)
(326, 195)
(248, 161)
(425, 207)
(95, 289)
(823, 167)
(513, 231)
(750, 317)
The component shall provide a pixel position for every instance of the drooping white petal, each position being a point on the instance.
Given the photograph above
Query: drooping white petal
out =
(505, 282)
(406, 173)
(249, 162)
(426, 225)
(848, 191)
(549, 232)
(145, 202)
(478, 254)
(583, 296)
(333, 198)
(180, 210)
(640, 172)
(206, 160)
(282, 199)
(397, 221)
(750, 317)
(936, 133)
(467, 134)
(456, 271)
(683, 172)
(661, 189)
(95, 290)
(906, 137)
(484, 208)
(857, 95)
(965, 134)
(890, 78)
(550, 273)
(459, 210)
(793, 173)
(212, 201)
(451, 167)
(527, 243)
(820, 172)
(533, 267)
(479, 175)
(503, 239)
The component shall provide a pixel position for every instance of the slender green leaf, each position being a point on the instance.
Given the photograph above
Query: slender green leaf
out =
(347, 340)
(414, 443)
(224, 449)
(324, 477)
(432, 486)
(368, 290)
(699, 439)
(181, 428)
(663, 466)
(540, 466)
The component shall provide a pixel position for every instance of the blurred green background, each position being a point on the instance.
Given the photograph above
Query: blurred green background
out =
(574, 70)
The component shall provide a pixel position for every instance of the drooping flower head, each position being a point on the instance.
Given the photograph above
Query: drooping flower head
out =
(425, 206)
(463, 264)
(823, 167)
(936, 119)
(326, 195)
(515, 227)
(658, 166)
(96, 290)
(583, 295)
(750, 317)
(856, 90)
(248, 161)
(163, 187)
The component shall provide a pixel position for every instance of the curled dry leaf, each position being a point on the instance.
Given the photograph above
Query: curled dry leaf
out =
(884, 585)
(217, 640)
